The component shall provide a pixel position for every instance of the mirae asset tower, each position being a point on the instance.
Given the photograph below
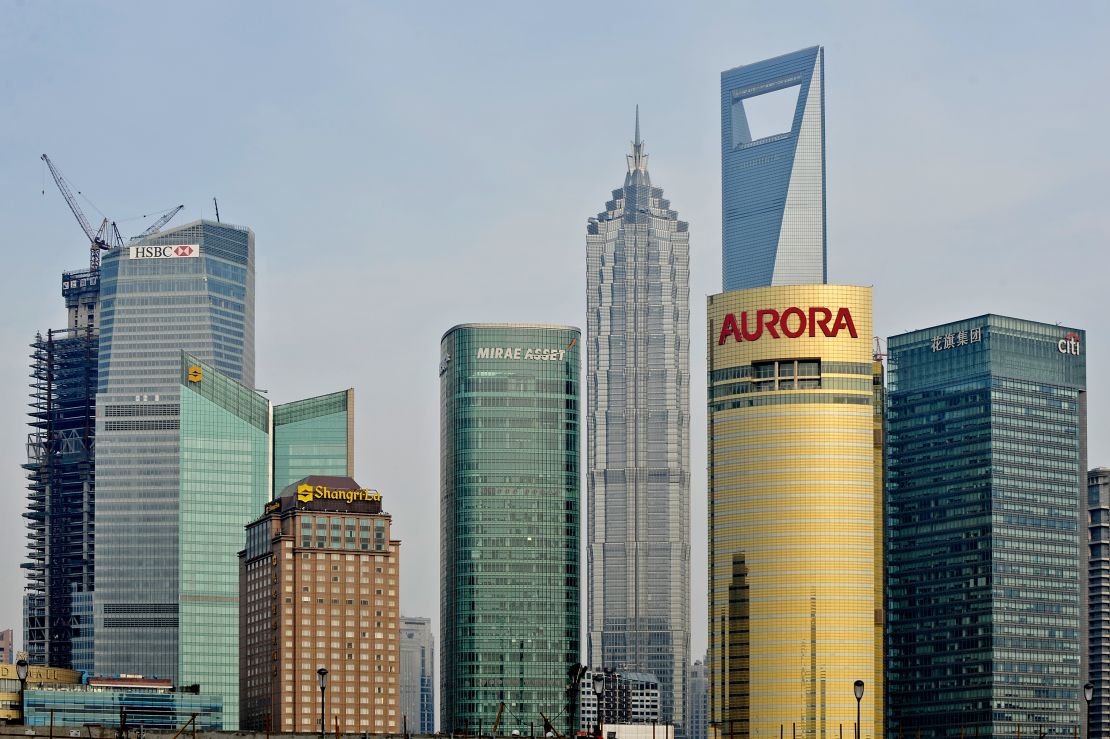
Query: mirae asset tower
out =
(793, 587)
(509, 518)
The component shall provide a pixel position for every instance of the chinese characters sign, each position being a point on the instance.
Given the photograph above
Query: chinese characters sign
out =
(957, 339)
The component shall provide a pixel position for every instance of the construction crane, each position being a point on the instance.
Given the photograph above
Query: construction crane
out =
(162, 221)
(106, 237)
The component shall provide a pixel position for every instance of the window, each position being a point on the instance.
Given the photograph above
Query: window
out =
(786, 374)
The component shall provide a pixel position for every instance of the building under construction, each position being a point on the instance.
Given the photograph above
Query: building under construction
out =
(60, 491)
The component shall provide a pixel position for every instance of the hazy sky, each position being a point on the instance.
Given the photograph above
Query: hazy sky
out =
(407, 167)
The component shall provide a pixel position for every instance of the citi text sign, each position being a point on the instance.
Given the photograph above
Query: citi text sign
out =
(789, 324)
(1069, 344)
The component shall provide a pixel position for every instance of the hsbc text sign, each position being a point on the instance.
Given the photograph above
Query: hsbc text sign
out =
(173, 251)
(790, 323)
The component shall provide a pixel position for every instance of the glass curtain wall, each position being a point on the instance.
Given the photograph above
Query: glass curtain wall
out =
(509, 516)
(638, 436)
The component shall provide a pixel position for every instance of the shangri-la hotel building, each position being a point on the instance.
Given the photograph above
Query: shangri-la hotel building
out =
(319, 590)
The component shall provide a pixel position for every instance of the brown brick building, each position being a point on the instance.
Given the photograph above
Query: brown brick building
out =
(318, 587)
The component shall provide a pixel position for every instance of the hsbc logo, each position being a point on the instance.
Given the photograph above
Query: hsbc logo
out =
(1069, 344)
(790, 324)
(172, 251)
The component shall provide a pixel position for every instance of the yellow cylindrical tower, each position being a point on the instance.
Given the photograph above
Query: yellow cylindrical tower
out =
(792, 512)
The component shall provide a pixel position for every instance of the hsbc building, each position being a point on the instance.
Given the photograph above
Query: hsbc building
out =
(186, 289)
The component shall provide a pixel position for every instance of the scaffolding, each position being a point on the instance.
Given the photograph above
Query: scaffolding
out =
(60, 494)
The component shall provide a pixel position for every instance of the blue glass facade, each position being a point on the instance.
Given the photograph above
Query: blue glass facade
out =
(151, 709)
(986, 526)
(1098, 600)
(773, 187)
(190, 288)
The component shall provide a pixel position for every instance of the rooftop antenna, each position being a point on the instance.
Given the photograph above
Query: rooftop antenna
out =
(217, 209)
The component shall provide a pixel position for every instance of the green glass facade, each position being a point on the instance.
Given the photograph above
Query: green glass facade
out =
(510, 521)
(986, 527)
(235, 452)
(225, 481)
(314, 437)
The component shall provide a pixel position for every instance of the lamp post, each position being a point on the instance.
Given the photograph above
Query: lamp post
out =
(1088, 693)
(21, 668)
(599, 690)
(323, 675)
(857, 688)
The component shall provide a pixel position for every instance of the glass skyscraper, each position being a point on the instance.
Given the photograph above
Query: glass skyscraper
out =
(509, 518)
(773, 176)
(314, 436)
(793, 581)
(189, 288)
(417, 674)
(224, 478)
(638, 436)
(1098, 599)
(986, 527)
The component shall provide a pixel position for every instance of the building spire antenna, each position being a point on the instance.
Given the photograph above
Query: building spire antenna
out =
(637, 160)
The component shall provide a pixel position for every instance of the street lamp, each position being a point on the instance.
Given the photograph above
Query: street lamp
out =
(599, 689)
(21, 667)
(323, 675)
(857, 688)
(1088, 693)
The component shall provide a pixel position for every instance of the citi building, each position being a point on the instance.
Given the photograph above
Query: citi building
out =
(794, 587)
(986, 528)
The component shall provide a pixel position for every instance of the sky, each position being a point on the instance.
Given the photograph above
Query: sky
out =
(410, 166)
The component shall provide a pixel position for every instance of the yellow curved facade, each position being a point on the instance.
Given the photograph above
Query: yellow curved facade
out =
(36, 675)
(795, 581)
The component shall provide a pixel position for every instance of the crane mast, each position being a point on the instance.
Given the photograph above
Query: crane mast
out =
(106, 237)
(162, 221)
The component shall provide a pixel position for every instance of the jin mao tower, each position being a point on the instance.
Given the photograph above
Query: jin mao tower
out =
(638, 435)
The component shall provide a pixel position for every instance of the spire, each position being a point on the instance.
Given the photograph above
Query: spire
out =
(637, 160)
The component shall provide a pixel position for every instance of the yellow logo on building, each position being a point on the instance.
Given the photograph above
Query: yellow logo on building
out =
(305, 493)
(196, 374)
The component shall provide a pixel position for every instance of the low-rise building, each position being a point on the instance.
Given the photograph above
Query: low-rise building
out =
(625, 698)
(128, 700)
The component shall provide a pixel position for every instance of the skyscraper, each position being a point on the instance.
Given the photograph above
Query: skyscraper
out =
(61, 489)
(1098, 599)
(773, 171)
(986, 520)
(61, 482)
(190, 288)
(638, 435)
(792, 537)
(509, 523)
(320, 564)
(697, 701)
(418, 674)
(314, 436)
